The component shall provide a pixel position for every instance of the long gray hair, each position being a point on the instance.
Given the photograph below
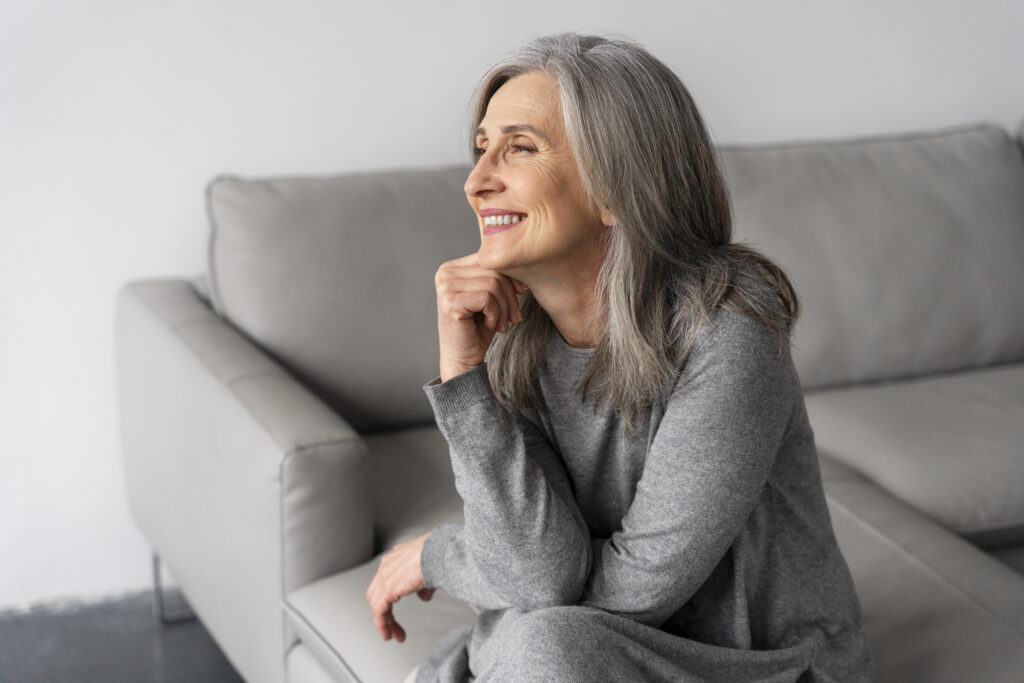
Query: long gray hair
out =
(644, 153)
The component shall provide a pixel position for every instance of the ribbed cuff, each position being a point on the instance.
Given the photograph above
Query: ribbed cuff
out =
(460, 392)
(432, 555)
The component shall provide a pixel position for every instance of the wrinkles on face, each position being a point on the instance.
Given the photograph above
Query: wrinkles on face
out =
(527, 165)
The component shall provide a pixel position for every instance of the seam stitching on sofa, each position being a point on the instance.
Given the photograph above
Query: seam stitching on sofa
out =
(932, 569)
(215, 294)
(1003, 526)
(282, 553)
(231, 384)
(195, 322)
(958, 530)
(285, 458)
(354, 439)
(301, 617)
(301, 177)
(274, 372)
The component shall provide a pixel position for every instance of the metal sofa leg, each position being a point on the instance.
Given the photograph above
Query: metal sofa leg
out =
(159, 606)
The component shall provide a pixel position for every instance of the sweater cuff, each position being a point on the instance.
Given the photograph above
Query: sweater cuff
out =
(432, 555)
(460, 392)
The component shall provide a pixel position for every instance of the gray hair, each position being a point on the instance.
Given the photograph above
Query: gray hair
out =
(644, 153)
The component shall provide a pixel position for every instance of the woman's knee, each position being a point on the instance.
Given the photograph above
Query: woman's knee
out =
(549, 641)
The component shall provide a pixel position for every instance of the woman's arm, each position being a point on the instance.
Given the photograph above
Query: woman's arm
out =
(704, 473)
(524, 542)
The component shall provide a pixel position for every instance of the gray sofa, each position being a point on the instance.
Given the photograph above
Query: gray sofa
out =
(276, 439)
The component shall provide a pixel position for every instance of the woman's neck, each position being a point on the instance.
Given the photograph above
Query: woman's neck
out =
(570, 300)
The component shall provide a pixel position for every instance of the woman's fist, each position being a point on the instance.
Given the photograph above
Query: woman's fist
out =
(473, 304)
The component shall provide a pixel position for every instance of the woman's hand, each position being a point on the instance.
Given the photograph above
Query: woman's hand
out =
(398, 574)
(473, 303)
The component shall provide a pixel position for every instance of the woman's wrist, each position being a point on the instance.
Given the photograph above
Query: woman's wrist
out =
(451, 369)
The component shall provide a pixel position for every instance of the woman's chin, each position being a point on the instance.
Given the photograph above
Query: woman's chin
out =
(494, 259)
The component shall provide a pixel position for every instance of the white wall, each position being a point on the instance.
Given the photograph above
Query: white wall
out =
(114, 114)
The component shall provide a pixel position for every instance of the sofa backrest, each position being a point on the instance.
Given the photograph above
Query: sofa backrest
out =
(907, 254)
(334, 276)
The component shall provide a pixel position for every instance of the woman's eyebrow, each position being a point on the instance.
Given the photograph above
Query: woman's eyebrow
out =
(517, 128)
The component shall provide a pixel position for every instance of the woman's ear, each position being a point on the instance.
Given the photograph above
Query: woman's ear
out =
(606, 217)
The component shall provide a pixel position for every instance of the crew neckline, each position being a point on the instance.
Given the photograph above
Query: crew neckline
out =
(560, 341)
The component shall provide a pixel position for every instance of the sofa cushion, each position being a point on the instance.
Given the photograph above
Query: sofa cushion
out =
(935, 607)
(915, 237)
(333, 619)
(906, 251)
(950, 445)
(334, 276)
(302, 666)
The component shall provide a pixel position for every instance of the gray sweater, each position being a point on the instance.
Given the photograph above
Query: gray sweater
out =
(708, 527)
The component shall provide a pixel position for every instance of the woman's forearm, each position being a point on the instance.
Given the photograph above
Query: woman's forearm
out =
(524, 537)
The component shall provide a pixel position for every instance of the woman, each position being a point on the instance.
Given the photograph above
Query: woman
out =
(627, 430)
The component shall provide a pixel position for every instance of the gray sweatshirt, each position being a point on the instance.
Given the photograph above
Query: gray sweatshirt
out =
(707, 528)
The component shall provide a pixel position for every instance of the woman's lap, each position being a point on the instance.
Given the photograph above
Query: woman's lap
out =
(574, 643)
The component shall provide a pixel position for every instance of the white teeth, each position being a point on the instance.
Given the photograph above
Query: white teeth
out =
(502, 220)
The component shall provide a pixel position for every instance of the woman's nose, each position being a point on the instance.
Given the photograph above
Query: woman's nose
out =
(484, 178)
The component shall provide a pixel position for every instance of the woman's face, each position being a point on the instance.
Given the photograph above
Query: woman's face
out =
(527, 183)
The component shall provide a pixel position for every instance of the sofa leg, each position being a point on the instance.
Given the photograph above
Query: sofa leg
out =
(159, 606)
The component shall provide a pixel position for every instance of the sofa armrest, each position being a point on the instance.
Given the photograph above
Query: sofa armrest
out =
(936, 608)
(242, 480)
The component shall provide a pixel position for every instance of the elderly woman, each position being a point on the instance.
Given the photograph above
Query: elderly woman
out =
(627, 430)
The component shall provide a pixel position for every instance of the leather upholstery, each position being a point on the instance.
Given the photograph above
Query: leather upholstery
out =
(904, 249)
(275, 445)
(335, 278)
(935, 607)
(333, 619)
(948, 444)
(244, 483)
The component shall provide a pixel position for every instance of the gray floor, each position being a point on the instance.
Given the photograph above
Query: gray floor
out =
(113, 642)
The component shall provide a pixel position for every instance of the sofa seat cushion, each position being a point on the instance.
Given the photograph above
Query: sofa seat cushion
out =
(412, 491)
(302, 666)
(333, 620)
(950, 445)
(936, 608)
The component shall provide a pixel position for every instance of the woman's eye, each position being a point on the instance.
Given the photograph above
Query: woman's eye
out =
(479, 151)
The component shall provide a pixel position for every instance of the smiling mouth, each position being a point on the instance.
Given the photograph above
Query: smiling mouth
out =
(504, 219)
(500, 223)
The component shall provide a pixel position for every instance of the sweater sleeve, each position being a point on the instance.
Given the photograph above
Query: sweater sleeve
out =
(705, 471)
(524, 542)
